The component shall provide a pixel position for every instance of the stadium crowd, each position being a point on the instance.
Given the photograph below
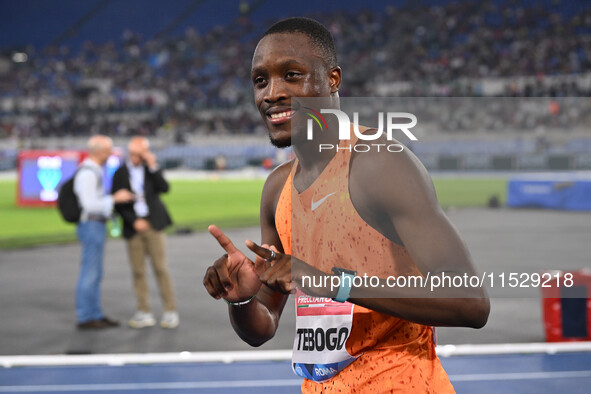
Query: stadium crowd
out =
(200, 83)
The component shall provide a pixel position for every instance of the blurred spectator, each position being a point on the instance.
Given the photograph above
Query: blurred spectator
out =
(96, 209)
(144, 221)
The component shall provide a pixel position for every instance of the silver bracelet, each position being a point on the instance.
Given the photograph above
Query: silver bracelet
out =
(240, 302)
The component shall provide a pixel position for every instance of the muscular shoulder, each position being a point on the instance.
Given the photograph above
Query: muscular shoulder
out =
(385, 184)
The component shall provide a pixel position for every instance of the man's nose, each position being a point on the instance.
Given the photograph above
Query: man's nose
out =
(276, 91)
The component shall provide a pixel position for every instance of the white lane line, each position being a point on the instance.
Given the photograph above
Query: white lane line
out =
(276, 355)
(273, 383)
(512, 348)
(520, 376)
(153, 386)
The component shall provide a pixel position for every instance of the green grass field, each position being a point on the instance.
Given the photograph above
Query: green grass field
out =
(196, 204)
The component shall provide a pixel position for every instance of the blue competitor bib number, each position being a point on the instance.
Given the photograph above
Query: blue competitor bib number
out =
(322, 329)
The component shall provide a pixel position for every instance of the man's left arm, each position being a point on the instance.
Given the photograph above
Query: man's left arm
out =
(398, 190)
(155, 173)
(160, 184)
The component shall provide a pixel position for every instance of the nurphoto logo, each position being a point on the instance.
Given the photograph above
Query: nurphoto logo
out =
(392, 120)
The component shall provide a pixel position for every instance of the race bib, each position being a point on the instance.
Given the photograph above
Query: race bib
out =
(322, 329)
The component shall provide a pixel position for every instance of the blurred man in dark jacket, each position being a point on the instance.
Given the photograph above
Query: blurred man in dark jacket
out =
(143, 223)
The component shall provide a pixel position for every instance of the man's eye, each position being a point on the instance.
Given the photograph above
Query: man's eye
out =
(258, 80)
(291, 74)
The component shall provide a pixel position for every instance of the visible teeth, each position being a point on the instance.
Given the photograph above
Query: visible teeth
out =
(281, 115)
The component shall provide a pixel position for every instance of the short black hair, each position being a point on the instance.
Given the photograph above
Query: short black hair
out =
(319, 35)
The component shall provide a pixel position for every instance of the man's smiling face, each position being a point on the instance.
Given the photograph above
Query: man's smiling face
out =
(287, 65)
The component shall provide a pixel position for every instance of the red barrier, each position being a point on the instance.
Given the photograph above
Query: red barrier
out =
(567, 309)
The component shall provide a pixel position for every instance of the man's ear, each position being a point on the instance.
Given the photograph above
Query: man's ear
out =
(334, 79)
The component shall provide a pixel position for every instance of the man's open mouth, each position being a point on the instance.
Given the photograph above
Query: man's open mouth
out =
(280, 117)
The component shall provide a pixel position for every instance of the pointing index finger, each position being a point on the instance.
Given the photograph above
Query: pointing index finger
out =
(222, 239)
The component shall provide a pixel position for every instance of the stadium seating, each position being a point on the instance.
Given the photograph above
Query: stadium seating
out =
(182, 69)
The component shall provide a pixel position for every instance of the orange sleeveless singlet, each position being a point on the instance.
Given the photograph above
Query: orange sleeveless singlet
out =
(381, 353)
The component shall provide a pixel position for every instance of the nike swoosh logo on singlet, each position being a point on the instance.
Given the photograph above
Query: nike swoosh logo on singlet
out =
(319, 202)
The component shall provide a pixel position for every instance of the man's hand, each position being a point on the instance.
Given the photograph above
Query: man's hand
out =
(123, 196)
(284, 273)
(278, 273)
(150, 159)
(141, 225)
(233, 277)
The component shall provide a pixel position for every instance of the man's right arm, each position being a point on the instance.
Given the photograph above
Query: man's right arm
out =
(255, 321)
(124, 209)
